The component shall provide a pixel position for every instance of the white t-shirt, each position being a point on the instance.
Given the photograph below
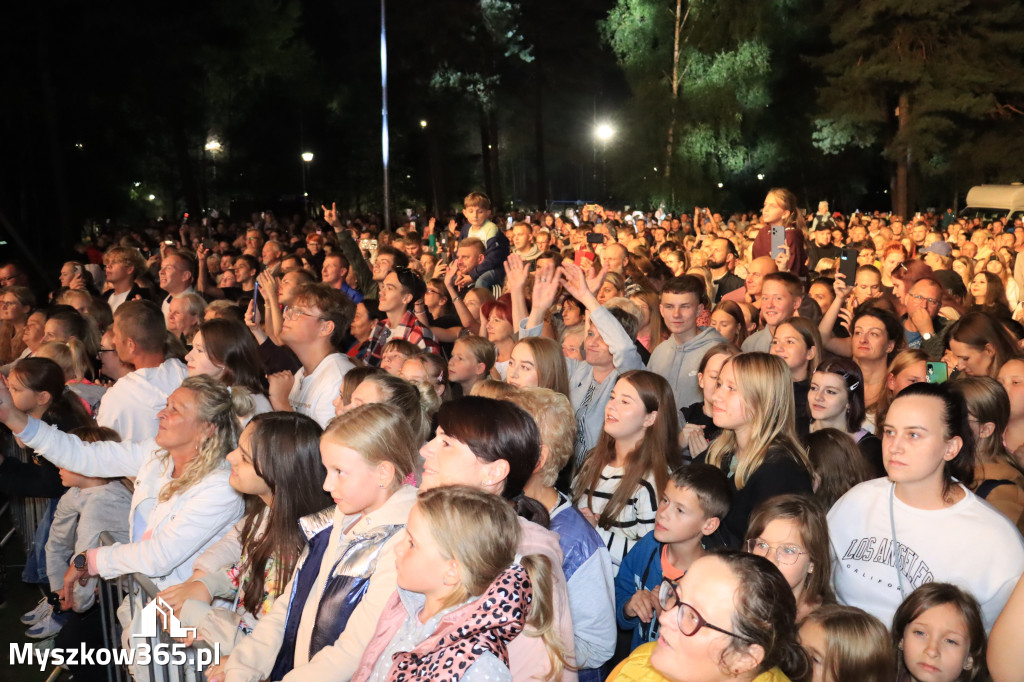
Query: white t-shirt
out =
(314, 395)
(969, 544)
(115, 301)
(130, 406)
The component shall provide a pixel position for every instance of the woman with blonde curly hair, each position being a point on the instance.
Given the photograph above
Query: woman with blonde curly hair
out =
(183, 502)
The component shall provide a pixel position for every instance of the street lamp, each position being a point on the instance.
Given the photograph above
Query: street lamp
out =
(423, 123)
(603, 132)
(213, 146)
(307, 158)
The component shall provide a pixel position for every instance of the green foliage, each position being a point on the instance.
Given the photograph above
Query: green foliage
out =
(727, 72)
(955, 60)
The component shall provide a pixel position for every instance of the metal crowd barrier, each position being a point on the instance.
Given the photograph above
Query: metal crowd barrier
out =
(111, 593)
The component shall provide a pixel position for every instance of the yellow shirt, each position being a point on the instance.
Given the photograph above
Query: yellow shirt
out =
(637, 668)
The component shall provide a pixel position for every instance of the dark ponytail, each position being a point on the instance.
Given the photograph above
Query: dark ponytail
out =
(955, 421)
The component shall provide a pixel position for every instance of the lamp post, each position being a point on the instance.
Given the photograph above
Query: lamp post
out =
(307, 158)
(603, 133)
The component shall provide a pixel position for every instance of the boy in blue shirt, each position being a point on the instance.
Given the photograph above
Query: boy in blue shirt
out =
(695, 501)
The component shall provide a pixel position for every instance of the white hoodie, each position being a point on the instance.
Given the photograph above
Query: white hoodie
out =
(131, 405)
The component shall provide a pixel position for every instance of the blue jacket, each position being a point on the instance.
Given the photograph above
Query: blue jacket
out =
(640, 570)
(497, 250)
(588, 574)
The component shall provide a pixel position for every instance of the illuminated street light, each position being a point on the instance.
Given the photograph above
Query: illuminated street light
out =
(720, 185)
(760, 176)
(213, 145)
(423, 123)
(604, 132)
(307, 156)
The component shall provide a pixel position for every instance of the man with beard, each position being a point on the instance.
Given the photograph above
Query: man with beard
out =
(721, 260)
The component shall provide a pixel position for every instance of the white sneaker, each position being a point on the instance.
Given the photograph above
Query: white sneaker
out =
(41, 611)
(44, 629)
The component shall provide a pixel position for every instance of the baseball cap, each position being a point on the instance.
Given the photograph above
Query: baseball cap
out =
(944, 249)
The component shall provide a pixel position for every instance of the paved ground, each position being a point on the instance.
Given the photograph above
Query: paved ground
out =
(18, 598)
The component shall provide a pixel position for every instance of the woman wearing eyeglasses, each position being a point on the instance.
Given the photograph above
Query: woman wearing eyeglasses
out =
(792, 533)
(730, 618)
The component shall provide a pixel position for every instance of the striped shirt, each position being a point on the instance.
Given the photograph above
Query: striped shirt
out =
(635, 519)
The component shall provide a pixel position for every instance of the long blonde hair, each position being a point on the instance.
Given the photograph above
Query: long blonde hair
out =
(481, 532)
(766, 386)
(219, 407)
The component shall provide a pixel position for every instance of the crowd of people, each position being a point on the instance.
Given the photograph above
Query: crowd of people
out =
(785, 445)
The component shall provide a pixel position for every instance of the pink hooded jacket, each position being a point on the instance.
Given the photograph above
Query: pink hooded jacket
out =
(528, 659)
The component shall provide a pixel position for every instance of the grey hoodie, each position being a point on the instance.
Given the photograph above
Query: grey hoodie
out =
(679, 364)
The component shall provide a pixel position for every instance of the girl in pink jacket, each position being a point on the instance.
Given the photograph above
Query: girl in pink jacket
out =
(463, 595)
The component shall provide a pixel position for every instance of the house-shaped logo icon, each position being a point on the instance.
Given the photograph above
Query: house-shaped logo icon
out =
(159, 609)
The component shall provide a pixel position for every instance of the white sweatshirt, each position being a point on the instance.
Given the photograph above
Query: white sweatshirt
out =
(969, 544)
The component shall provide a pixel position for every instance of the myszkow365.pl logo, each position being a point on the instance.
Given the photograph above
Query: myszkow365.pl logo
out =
(141, 653)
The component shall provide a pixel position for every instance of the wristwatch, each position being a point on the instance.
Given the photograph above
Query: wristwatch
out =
(81, 561)
(926, 336)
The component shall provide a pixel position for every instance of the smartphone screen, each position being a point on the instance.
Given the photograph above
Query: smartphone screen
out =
(936, 372)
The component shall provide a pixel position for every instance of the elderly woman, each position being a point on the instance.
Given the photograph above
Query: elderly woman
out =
(186, 312)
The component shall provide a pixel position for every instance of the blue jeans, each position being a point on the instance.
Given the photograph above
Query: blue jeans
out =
(35, 561)
(491, 278)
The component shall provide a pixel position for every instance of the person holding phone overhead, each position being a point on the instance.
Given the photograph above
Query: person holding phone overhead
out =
(780, 210)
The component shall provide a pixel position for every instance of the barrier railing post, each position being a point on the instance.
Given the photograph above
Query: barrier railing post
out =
(137, 586)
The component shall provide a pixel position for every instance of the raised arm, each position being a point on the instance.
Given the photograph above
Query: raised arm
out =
(349, 247)
(273, 320)
(465, 317)
(546, 284)
(203, 284)
(622, 348)
(516, 272)
(106, 459)
(834, 344)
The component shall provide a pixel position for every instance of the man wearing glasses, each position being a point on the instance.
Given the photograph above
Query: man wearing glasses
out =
(131, 405)
(12, 276)
(399, 292)
(314, 328)
(922, 325)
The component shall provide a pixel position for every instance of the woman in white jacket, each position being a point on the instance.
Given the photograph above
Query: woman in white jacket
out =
(182, 502)
(277, 463)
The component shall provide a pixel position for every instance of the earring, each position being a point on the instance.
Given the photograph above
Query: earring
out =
(969, 663)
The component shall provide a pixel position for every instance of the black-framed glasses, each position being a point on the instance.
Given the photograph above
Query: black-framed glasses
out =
(688, 619)
(101, 351)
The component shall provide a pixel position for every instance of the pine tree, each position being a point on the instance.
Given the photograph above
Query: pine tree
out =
(921, 80)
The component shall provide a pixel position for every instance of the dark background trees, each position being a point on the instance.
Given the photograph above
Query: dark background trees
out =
(111, 106)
